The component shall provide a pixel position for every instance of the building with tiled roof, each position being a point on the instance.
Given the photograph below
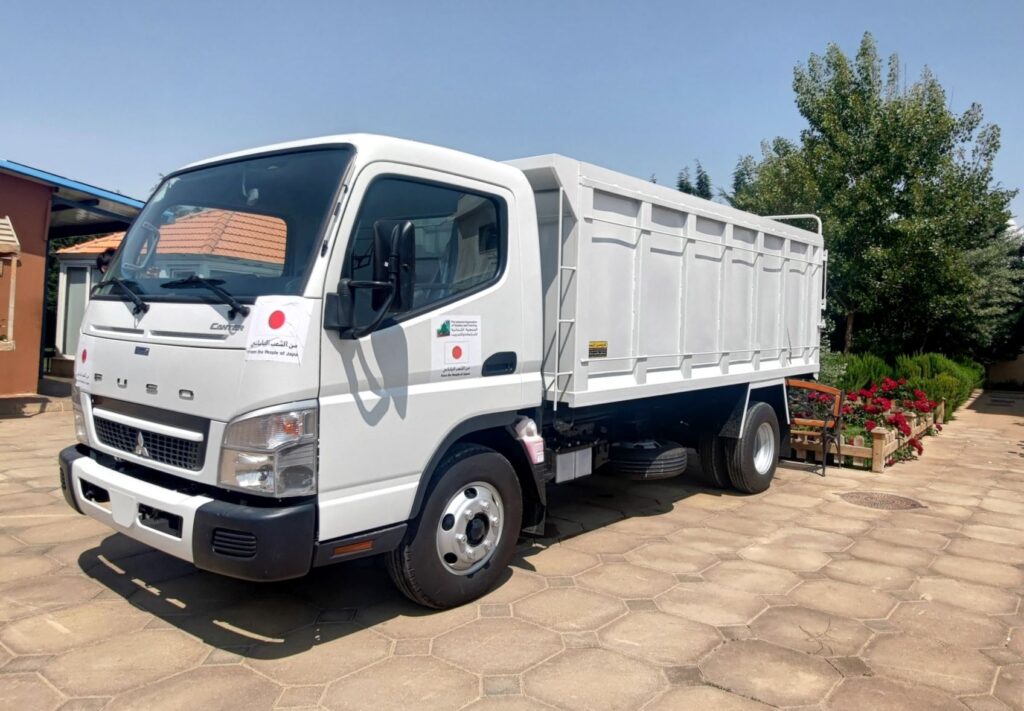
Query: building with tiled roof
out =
(210, 243)
(222, 233)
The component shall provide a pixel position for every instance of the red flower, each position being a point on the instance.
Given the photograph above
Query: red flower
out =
(851, 396)
(847, 410)
(812, 396)
(870, 425)
(888, 385)
(938, 427)
(902, 381)
(920, 395)
(883, 403)
(916, 444)
(889, 462)
(871, 409)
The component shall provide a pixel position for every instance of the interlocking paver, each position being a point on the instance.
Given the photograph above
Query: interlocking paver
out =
(798, 559)
(671, 557)
(660, 638)
(320, 654)
(627, 580)
(924, 660)
(570, 609)
(752, 577)
(61, 630)
(980, 571)
(226, 688)
(704, 697)
(844, 599)
(811, 631)
(591, 679)
(557, 560)
(870, 573)
(1009, 686)
(640, 593)
(403, 682)
(769, 673)
(123, 662)
(949, 624)
(711, 604)
(864, 693)
(483, 646)
(27, 691)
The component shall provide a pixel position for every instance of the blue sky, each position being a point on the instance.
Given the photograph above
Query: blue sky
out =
(115, 93)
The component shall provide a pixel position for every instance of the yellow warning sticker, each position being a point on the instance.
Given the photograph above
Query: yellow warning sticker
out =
(597, 349)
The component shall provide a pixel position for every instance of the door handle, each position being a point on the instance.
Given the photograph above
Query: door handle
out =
(501, 363)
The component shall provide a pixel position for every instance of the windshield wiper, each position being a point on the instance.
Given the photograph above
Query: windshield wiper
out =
(130, 289)
(213, 285)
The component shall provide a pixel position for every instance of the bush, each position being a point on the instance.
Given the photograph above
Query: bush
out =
(942, 377)
(862, 370)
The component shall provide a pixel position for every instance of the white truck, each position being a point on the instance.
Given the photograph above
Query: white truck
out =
(360, 345)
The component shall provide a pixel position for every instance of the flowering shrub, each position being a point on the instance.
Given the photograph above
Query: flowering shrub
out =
(892, 404)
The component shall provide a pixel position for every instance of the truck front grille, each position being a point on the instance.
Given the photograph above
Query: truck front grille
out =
(173, 451)
(236, 544)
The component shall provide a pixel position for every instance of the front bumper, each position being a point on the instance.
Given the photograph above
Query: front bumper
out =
(248, 542)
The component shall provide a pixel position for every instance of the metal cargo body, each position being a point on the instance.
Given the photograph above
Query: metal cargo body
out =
(649, 291)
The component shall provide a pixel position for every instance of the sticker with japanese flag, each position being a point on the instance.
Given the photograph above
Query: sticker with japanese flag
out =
(277, 329)
(455, 347)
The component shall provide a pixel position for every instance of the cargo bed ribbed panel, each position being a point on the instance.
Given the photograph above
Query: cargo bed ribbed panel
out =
(649, 291)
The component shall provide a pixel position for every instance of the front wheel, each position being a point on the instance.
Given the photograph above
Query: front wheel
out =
(751, 459)
(466, 533)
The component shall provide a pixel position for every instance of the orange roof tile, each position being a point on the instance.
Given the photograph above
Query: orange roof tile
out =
(222, 232)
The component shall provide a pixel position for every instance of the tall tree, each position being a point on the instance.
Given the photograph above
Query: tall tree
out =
(920, 257)
(703, 186)
(683, 183)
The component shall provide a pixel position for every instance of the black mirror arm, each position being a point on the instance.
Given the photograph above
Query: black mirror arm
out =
(347, 286)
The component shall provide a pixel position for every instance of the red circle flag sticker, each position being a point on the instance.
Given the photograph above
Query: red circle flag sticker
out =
(276, 319)
(457, 352)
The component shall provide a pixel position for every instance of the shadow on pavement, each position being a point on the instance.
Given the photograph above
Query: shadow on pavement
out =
(278, 620)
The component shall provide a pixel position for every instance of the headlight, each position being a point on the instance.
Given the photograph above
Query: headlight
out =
(272, 454)
(81, 431)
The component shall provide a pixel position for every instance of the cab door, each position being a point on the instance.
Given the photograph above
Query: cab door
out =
(389, 399)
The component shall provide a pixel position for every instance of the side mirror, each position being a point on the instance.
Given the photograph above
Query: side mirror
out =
(394, 272)
(394, 261)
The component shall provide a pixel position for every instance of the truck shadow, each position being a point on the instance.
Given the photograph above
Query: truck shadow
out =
(275, 621)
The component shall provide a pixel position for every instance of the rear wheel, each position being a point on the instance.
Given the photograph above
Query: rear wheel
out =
(711, 449)
(751, 459)
(466, 532)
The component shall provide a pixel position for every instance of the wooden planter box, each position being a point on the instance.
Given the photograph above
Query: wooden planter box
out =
(874, 453)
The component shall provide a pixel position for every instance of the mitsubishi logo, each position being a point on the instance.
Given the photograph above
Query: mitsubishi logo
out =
(140, 446)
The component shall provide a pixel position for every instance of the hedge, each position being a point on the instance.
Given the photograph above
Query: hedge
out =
(940, 376)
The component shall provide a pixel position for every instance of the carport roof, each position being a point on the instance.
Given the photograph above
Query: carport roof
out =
(78, 208)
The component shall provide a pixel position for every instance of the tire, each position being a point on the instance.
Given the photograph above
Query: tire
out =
(751, 460)
(468, 477)
(648, 459)
(711, 449)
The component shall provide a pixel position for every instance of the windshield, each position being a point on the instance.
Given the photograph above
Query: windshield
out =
(250, 226)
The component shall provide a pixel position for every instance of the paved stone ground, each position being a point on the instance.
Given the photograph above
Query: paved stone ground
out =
(656, 595)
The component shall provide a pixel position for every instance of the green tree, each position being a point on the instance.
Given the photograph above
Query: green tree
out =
(920, 257)
(702, 188)
(683, 183)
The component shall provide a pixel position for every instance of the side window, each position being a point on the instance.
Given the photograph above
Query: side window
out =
(459, 239)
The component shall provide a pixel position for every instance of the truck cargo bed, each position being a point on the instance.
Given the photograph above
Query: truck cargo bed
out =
(649, 291)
